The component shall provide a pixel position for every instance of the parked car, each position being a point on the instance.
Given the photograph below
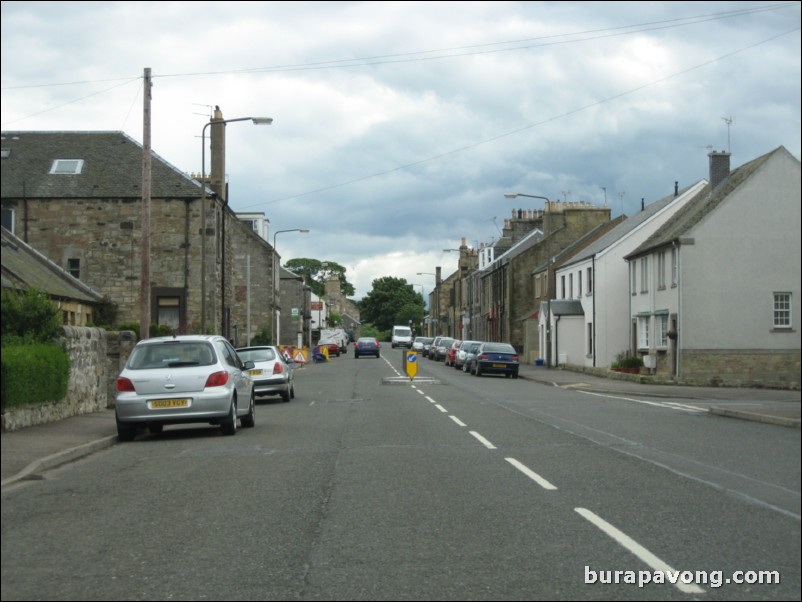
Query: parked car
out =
(462, 352)
(421, 345)
(451, 353)
(332, 345)
(184, 379)
(367, 346)
(271, 374)
(496, 358)
(439, 348)
(470, 357)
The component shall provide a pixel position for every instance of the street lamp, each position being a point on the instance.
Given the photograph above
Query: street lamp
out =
(276, 279)
(512, 195)
(256, 121)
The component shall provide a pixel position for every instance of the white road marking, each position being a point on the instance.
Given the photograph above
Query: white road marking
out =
(531, 474)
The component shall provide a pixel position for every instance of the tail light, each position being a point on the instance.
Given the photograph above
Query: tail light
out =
(515, 358)
(484, 357)
(218, 379)
(278, 368)
(124, 385)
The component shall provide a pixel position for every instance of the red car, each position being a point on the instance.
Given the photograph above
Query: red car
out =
(330, 344)
(451, 353)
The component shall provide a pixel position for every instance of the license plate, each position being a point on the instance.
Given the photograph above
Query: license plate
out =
(499, 365)
(256, 372)
(162, 404)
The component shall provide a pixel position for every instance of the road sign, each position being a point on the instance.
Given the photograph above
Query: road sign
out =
(411, 363)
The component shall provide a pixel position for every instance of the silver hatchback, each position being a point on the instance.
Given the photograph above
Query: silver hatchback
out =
(271, 374)
(181, 379)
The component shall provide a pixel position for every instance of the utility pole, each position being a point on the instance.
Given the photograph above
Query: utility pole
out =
(144, 280)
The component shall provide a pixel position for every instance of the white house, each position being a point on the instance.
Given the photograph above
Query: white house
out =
(715, 291)
(598, 279)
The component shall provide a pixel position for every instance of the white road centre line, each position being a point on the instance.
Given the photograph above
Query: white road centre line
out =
(441, 408)
(638, 550)
(457, 420)
(482, 440)
(531, 474)
(430, 399)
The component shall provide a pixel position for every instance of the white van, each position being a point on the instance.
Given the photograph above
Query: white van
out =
(402, 337)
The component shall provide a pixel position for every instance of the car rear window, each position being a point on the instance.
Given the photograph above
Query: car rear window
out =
(257, 355)
(171, 355)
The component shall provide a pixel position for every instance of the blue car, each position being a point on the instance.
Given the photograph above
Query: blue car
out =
(496, 358)
(367, 346)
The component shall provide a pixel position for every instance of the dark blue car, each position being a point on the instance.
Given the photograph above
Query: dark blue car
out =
(367, 346)
(496, 358)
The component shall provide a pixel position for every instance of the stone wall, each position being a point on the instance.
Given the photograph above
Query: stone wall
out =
(752, 368)
(96, 357)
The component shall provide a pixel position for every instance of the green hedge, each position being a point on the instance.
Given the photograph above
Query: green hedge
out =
(36, 373)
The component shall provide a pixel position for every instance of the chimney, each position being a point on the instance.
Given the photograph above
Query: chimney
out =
(676, 187)
(218, 160)
(719, 167)
(438, 275)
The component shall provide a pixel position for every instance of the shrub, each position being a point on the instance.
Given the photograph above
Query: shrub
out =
(263, 337)
(34, 373)
(28, 316)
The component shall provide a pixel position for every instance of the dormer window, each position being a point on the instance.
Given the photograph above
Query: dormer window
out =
(67, 166)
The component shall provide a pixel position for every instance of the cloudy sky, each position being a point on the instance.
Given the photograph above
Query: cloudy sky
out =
(399, 126)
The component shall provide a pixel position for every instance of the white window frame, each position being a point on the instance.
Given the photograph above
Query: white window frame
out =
(674, 267)
(644, 274)
(67, 166)
(643, 332)
(661, 330)
(590, 281)
(661, 270)
(782, 317)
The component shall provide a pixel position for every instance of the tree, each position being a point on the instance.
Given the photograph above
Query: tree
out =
(316, 273)
(29, 316)
(391, 301)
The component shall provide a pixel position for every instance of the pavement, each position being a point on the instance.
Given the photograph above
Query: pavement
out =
(29, 452)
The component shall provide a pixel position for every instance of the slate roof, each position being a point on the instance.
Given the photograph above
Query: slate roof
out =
(25, 267)
(626, 227)
(112, 167)
(701, 205)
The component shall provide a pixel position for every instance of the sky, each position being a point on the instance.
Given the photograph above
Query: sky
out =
(399, 126)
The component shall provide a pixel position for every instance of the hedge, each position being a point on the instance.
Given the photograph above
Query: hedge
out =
(37, 373)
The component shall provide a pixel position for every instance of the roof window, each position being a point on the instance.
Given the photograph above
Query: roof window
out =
(67, 166)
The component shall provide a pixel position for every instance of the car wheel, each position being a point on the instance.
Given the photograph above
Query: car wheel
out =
(478, 371)
(125, 431)
(292, 391)
(515, 374)
(229, 425)
(249, 420)
(285, 395)
(155, 429)
(378, 355)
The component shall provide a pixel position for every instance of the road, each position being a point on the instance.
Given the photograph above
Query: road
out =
(453, 487)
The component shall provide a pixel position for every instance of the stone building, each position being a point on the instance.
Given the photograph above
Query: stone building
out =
(77, 198)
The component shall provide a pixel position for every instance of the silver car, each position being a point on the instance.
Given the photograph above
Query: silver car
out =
(271, 374)
(181, 379)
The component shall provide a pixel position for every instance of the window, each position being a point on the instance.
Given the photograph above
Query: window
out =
(562, 286)
(661, 270)
(782, 310)
(8, 219)
(590, 281)
(579, 284)
(661, 328)
(644, 275)
(590, 339)
(570, 286)
(643, 332)
(674, 267)
(74, 267)
(633, 284)
(67, 166)
(168, 311)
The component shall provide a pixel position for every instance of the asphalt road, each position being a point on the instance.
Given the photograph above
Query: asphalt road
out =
(452, 488)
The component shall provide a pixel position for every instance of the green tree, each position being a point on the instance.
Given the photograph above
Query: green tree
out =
(391, 301)
(316, 273)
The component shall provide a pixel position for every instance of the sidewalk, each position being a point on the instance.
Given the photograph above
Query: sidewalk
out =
(28, 452)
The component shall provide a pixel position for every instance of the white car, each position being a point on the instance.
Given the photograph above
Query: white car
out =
(181, 379)
(271, 374)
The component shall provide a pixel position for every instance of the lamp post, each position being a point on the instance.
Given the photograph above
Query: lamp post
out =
(276, 280)
(205, 218)
(513, 195)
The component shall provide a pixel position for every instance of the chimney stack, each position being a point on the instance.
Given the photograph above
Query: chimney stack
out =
(719, 167)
